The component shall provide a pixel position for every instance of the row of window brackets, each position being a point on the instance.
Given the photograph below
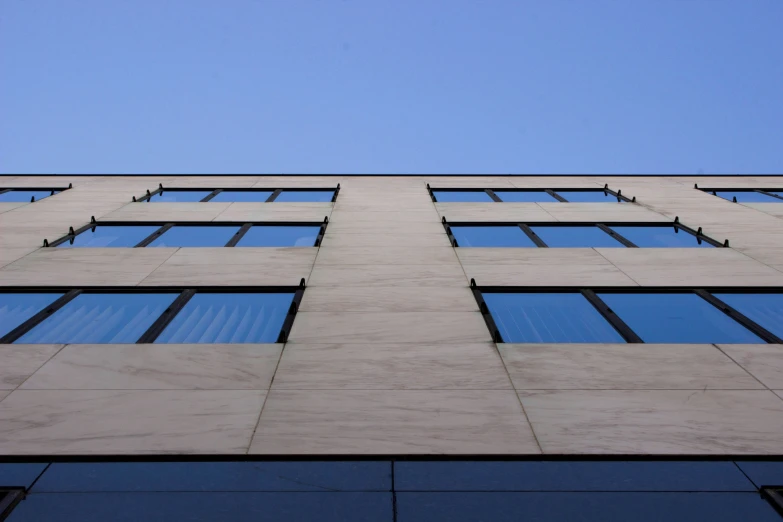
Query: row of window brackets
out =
(551, 192)
(215, 192)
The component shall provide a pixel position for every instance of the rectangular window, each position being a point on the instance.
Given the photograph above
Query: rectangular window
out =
(238, 195)
(26, 195)
(506, 195)
(229, 318)
(132, 315)
(195, 236)
(526, 196)
(747, 196)
(533, 315)
(461, 196)
(235, 196)
(279, 236)
(575, 237)
(300, 196)
(588, 196)
(661, 237)
(178, 196)
(109, 236)
(482, 236)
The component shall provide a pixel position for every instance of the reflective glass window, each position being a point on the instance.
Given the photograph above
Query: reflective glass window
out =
(511, 236)
(776, 192)
(234, 196)
(19, 196)
(765, 309)
(110, 236)
(527, 196)
(290, 196)
(195, 236)
(179, 196)
(677, 318)
(747, 196)
(457, 196)
(575, 237)
(100, 318)
(279, 236)
(588, 196)
(666, 236)
(18, 308)
(229, 318)
(549, 318)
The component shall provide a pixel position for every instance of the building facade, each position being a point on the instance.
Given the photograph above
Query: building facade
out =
(419, 347)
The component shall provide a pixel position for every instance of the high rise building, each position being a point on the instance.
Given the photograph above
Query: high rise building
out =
(407, 348)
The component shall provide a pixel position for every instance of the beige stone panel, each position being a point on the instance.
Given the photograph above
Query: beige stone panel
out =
(214, 182)
(763, 361)
(6, 206)
(769, 255)
(601, 212)
(393, 422)
(11, 181)
(95, 422)
(391, 366)
(622, 367)
(386, 255)
(511, 212)
(291, 181)
(234, 266)
(27, 237)
(159, 367)
(343, 217)
(388, 299)
(540, 267)
(73, 209)
(84, 266)
(382, 239)
(401, 327)
(10, 254)
(477, 182)
(385, 205)
(773, 209)
(779, 393)
(40, 181)
(656, 422)
(391, 228)
(167, 212)
(244, 211)
(691, 266)
(554, 182)
(418, 276)
(4, 394)
(20, 361)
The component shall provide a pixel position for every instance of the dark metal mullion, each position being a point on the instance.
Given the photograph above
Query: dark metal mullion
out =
(155, 235)
(148, 196)
(321, 232)
(619, 195)
(3, 191)
(555, 195)
(236, 237)
(273, 195)
(697, 233)
(166, 317)
(336, 191)
(618, 324)
(285, 330)
(742, 319)
(485, 313)
(762, 191)
(211, 195)
(495, 198)
(76, 232)
(532, 235)
(619, 237)
(41, 316)
(9, 499)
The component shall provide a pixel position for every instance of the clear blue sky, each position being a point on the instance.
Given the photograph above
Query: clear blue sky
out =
(391, 86)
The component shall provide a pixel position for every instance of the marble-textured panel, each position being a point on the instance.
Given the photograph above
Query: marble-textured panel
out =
(380, 238)
(403, 327)
(391, 366)
(4, 394)
(773, 209)
(393, 421)
(672, 422)
(124, 422)
(6, 206)
(158, 367)
(763, 361)
(601, 212)
(376, 219)
(387, 255)
(20, 361)
(168, 211)
(10, 254)
(388, 226)
(84, 266)
(419, 276)
(246, 211)
(622, 367)
(511, 212)
(387, 299)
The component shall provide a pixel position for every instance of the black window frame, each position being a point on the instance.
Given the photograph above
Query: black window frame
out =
(773, 495)
(591, 294)
(168, 315)
(765, 191)
(551, 191)
(9, 499)
(163, 226)
(603, 225)
(215, 191)
(58, 190)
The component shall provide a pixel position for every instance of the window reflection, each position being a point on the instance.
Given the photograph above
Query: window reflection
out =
(195, 236)
(478, 236)
(110, 236)
(279, 236)
(667, 236)
(459, 196)
(18, 308)
(576, 237)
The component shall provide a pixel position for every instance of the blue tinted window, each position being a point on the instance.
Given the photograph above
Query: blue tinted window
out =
(588, 196)
(776, 192)
(290, 196)
(23, 474)
(677, 318)
(667, 236)
(18, 196)
(229, 318)
(18, 308)
(279, 236)
(747, 197)
(765, 309)
(110, 236)
(179, 196)
(242, 195)
(528, 196)
(576, 237)
(100, 318)
(549, 318)
(449, 196)
(491, 237)
(195, 236)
